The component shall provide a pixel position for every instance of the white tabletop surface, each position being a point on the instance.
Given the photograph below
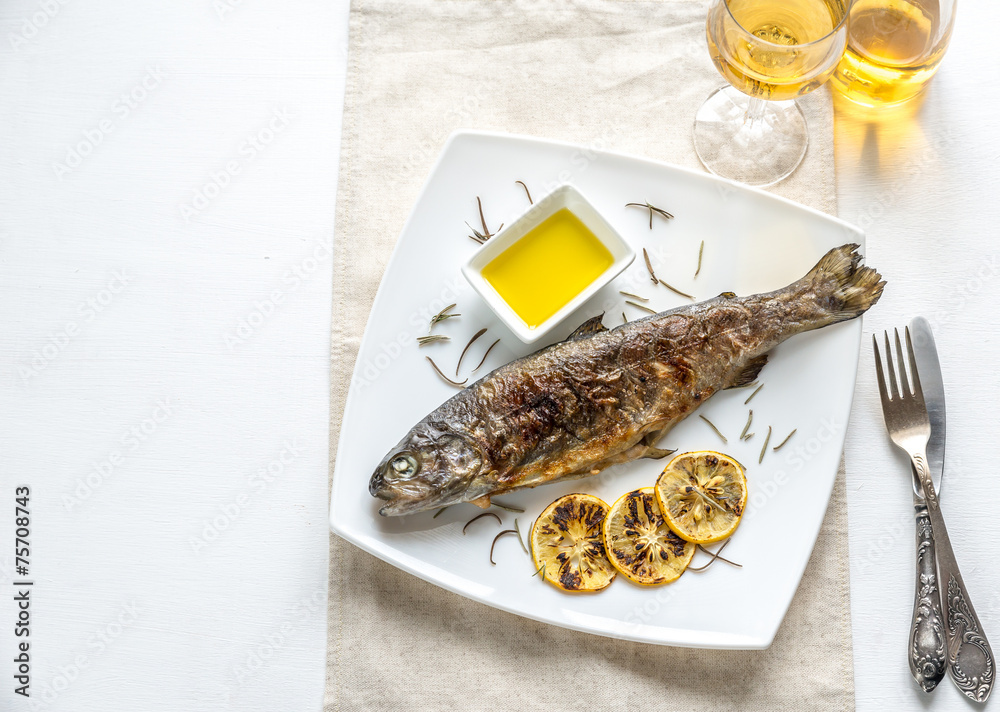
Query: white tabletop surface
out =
(169, 176)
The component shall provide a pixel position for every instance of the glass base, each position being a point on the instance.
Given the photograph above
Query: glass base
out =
(758, 151)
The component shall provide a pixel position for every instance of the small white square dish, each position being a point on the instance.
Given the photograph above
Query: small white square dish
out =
(552, 284)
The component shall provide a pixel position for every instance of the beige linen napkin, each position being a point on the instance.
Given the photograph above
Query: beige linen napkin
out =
(625, 76)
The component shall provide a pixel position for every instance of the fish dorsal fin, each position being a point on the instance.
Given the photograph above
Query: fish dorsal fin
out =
(588, 328)
(750, 372)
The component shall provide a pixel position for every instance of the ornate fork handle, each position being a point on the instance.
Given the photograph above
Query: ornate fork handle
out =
(970, 658)
(928, 656)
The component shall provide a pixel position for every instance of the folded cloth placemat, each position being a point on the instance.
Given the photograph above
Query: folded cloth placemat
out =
(623, 76)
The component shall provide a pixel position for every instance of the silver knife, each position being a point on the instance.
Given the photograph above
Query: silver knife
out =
(928, 656)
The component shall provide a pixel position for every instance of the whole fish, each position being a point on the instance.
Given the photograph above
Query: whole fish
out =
(603, 397)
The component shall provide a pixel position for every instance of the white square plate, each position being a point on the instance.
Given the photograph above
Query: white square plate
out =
(754, 242)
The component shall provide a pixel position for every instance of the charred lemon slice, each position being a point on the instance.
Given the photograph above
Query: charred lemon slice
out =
(702, 496)
(566, 540)
(639, 542)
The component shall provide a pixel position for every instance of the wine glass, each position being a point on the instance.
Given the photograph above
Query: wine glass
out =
(770, 51)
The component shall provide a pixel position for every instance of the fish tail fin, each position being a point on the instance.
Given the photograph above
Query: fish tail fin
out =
(844, 287)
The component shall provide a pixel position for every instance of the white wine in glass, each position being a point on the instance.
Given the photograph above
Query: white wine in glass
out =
(770, 51)
(894, 48)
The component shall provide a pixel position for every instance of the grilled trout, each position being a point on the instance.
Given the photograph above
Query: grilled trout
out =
(603, 397)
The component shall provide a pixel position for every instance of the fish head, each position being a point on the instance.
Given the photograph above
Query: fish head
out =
(431, 467)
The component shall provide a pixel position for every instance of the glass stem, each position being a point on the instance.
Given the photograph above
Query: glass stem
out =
(755, 110)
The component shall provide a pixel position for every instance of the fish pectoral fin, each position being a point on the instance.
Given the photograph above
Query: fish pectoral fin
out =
(588, 328)
(481, 502)
(750, 372)
(651, 451)
(655, 453)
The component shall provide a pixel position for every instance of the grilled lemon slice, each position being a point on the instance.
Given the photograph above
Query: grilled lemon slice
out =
(566, 540)
(639, 542)
(702, 496)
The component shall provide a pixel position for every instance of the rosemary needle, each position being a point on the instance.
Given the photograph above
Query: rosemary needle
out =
(634, 296)
(700, 251)
(507, 507)
(675, 290)
(715, 555)
(649, 266)
(787, 438)
(457, 384)
(485, 355)
(526, 191)
(538, 571)
(764, 449)
(519, 537)
(480, 516)
(431, 338)
(747, 426)
(750, 397)
(471, 342)
(443, 314)
(712, 425)
(438, 513)
(652, 209)
(505, 531)
(624, 318)
(640, 306)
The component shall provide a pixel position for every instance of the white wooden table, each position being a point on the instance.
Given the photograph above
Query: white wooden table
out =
(165, 222)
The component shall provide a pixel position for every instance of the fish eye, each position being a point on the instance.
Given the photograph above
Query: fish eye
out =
(404, 465)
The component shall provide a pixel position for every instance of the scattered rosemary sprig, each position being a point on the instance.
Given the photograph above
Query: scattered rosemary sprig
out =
(540, 569)
(640, 306)
(749, 435)
(457, 384)
(507, 507)
(701, 250)
(438, 513)
(760, 460)
(747, 426)
(520, 537)
(675, 290)
(471, 342)
(715, 556)
(750, 397)
(480, 516)
(443, 314)
(486, 354)
(526, 191)
(634, 296)
(649, 266)
(712, 426)
(624, 318)
(431, 338)
(652, 209)
(782, 443)
(505, 531)
(485, 235)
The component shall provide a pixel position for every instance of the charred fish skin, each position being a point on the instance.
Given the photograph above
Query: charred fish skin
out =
(604, 397)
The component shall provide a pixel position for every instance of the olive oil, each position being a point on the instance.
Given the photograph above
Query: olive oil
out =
(543, 271)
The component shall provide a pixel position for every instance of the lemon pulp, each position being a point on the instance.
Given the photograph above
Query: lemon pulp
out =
(543, 271)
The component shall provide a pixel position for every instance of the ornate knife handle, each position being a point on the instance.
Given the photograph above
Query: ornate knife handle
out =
(928, 656)
(970, 658)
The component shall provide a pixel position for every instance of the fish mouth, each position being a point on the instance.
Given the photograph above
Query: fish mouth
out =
(400, 501)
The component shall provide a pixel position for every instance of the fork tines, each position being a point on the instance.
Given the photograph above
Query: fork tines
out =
(901, 387)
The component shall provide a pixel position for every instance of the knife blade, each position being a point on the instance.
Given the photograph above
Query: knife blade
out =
(927, 653)
(929, 368)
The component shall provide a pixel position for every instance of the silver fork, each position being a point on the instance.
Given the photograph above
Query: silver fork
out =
(970, 658)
